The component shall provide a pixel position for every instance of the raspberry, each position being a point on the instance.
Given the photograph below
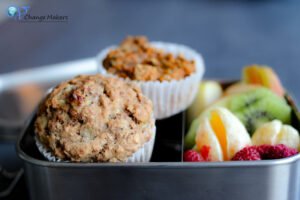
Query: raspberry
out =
(192, 156)
(276, 151)
(247, 153)
(265, 152)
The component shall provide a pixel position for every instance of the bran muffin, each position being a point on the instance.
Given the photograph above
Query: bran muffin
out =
(168, 73)
(95, 119)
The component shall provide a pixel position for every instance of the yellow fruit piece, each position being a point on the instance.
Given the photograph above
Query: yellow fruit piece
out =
(219, 129)
(267, 133)
(252, 75)
(223, 133)
(275, 132)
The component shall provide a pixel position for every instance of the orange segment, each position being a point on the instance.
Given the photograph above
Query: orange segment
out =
(264, 76)
(252, 75)
(219, 129)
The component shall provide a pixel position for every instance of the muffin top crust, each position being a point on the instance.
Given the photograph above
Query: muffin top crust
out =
(136, 59)
(94, 119)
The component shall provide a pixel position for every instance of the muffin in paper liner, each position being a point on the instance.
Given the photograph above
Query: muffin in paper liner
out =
(168, 97)
(142, 155)
(123, 122)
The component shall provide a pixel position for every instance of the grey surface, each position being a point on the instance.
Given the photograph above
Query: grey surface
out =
(229, 34)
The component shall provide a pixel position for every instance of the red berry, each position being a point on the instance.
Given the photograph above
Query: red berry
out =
(247, 153)
(205, 152)
(192, 156)
(276, 151)
(265, 152)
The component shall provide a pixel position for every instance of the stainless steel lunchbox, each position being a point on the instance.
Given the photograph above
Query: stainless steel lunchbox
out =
(165, 177)
(263, 180)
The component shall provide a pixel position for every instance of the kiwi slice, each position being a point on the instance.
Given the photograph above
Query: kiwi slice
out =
(247, 99)
(258, 107)
(254, 108)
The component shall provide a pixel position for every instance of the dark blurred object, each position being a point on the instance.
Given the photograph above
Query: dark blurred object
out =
(21, 91)
(9, 181)
(15, 106)
(19, 192)
(168, 140)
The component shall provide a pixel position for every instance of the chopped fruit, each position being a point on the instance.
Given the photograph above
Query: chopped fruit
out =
(219, 129)
(276, 133)
(276, 151)
(253, 108)
(264, 76)
(265, 152)
(238, 88)
(208, 93)
(223, 133)
(221, 122)
(192, 156)
(247, 153)
(206, 137)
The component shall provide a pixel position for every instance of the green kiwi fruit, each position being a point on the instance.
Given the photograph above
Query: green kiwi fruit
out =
(260, 107)
(253, 108)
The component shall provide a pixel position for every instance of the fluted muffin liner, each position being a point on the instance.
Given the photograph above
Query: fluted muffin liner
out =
(168, 97)
(142, 155)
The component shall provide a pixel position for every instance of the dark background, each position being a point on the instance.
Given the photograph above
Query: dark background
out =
(229, 34)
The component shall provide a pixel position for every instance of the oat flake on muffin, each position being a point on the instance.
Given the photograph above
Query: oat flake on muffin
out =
(94, 119)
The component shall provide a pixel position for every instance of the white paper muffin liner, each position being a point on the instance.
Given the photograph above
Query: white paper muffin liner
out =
(142, 155)
(168, 97)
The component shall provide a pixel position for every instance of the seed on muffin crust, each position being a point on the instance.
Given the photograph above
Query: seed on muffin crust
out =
(94, 119)
(136, 59)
